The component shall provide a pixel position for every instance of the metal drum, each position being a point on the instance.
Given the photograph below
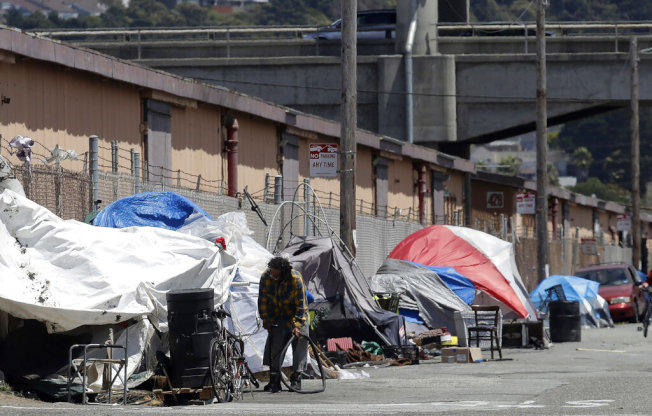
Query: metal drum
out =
(565, 321)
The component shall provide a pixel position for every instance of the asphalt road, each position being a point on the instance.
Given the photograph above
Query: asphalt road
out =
(607, 373)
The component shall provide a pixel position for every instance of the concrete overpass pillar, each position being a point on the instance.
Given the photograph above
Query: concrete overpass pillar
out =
(425, 39)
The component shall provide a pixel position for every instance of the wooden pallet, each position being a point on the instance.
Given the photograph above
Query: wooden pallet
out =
(203, 393)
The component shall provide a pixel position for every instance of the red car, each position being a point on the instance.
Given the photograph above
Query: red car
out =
(620, 287)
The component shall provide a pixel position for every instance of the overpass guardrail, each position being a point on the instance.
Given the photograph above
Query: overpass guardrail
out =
(612, 33)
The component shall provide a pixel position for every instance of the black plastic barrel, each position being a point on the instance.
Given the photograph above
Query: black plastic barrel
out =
(564, 317)
(191, 330)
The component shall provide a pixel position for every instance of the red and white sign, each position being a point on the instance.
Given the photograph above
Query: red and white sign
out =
(495, 199)
(623, 222)
(589, 246)
(323, 160)
(526, 202)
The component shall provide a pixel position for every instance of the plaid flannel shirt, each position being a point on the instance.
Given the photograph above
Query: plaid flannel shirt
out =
(282, 302)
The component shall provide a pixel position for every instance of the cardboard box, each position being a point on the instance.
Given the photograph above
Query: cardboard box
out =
(461, 354)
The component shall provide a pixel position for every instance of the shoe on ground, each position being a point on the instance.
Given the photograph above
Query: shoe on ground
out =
(295, 382)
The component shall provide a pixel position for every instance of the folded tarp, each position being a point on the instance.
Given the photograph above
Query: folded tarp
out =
(422, 290)
(154, 209)
(461, 285)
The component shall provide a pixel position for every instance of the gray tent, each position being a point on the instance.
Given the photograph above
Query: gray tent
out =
(338, 285)
(423, 291)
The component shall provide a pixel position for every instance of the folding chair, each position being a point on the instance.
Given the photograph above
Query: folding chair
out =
(485, 327)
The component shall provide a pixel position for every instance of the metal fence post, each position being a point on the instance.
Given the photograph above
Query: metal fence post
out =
(306, 196)
(131, 158)
(114, 156)
(136, 172)
(278, 189)
(178, 178)
(266, 191)
(93, 143)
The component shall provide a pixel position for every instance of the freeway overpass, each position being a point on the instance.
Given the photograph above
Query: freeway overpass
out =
(471, 86)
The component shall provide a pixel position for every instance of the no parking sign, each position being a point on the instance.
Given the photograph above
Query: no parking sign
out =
(323, 160)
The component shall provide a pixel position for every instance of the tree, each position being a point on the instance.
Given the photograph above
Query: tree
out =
(607, 192)
(553, 140)
(582, 160)
(509, 165)
(116, 16)
(37, 20)
(553, 174)
(14, 18)
(192, 14)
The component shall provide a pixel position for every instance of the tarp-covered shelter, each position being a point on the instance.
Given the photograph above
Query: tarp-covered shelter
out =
(594, 310)
(338, 286)
(80, 281)
(423, 290)
(487, 261)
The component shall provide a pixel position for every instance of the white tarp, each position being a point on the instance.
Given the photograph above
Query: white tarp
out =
(68, 273)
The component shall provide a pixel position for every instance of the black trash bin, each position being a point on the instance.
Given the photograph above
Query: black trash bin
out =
(191, 330)
(564, 317)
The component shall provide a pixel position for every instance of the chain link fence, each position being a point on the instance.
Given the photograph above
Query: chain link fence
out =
(67, 193)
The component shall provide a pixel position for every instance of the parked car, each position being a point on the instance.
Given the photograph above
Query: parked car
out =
(620, 287)
(372, 24)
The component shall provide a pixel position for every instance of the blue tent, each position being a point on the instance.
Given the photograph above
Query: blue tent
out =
(155, 209)
(593, 308)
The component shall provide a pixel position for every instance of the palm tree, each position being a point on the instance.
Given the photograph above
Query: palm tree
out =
(582, 160)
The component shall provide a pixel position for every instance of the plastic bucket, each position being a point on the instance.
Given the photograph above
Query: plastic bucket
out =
(191, 330)
(564, 317)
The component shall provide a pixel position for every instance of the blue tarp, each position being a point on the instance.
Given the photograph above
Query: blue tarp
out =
(575, 288)
(458, 283)
(155, 209)
(642, 275)
(411, 315)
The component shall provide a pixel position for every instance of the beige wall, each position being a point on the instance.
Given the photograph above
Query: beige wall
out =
(455, 186)
(53, 106)
(401, 193)
(364, 179)
(582, 217)
(197, 144)
(608, 219)
(257, 153)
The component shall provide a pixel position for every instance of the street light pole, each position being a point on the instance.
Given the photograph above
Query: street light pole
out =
(542, 147)
(635, 153)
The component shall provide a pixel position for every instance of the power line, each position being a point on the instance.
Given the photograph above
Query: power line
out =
(217, 81)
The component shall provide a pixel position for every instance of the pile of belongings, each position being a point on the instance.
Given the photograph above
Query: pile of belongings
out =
(347, 354)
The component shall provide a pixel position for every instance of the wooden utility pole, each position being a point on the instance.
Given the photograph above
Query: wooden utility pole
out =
(348, 118)
(635, 155)
(542, 146)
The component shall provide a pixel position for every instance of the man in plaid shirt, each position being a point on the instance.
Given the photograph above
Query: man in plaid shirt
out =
(283, 309)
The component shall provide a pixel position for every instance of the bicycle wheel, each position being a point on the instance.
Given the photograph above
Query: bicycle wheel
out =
(236, 361)
(646, 319)
(220, 376)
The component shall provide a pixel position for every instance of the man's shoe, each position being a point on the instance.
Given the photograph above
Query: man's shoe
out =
(295, 382)
(274, 385)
